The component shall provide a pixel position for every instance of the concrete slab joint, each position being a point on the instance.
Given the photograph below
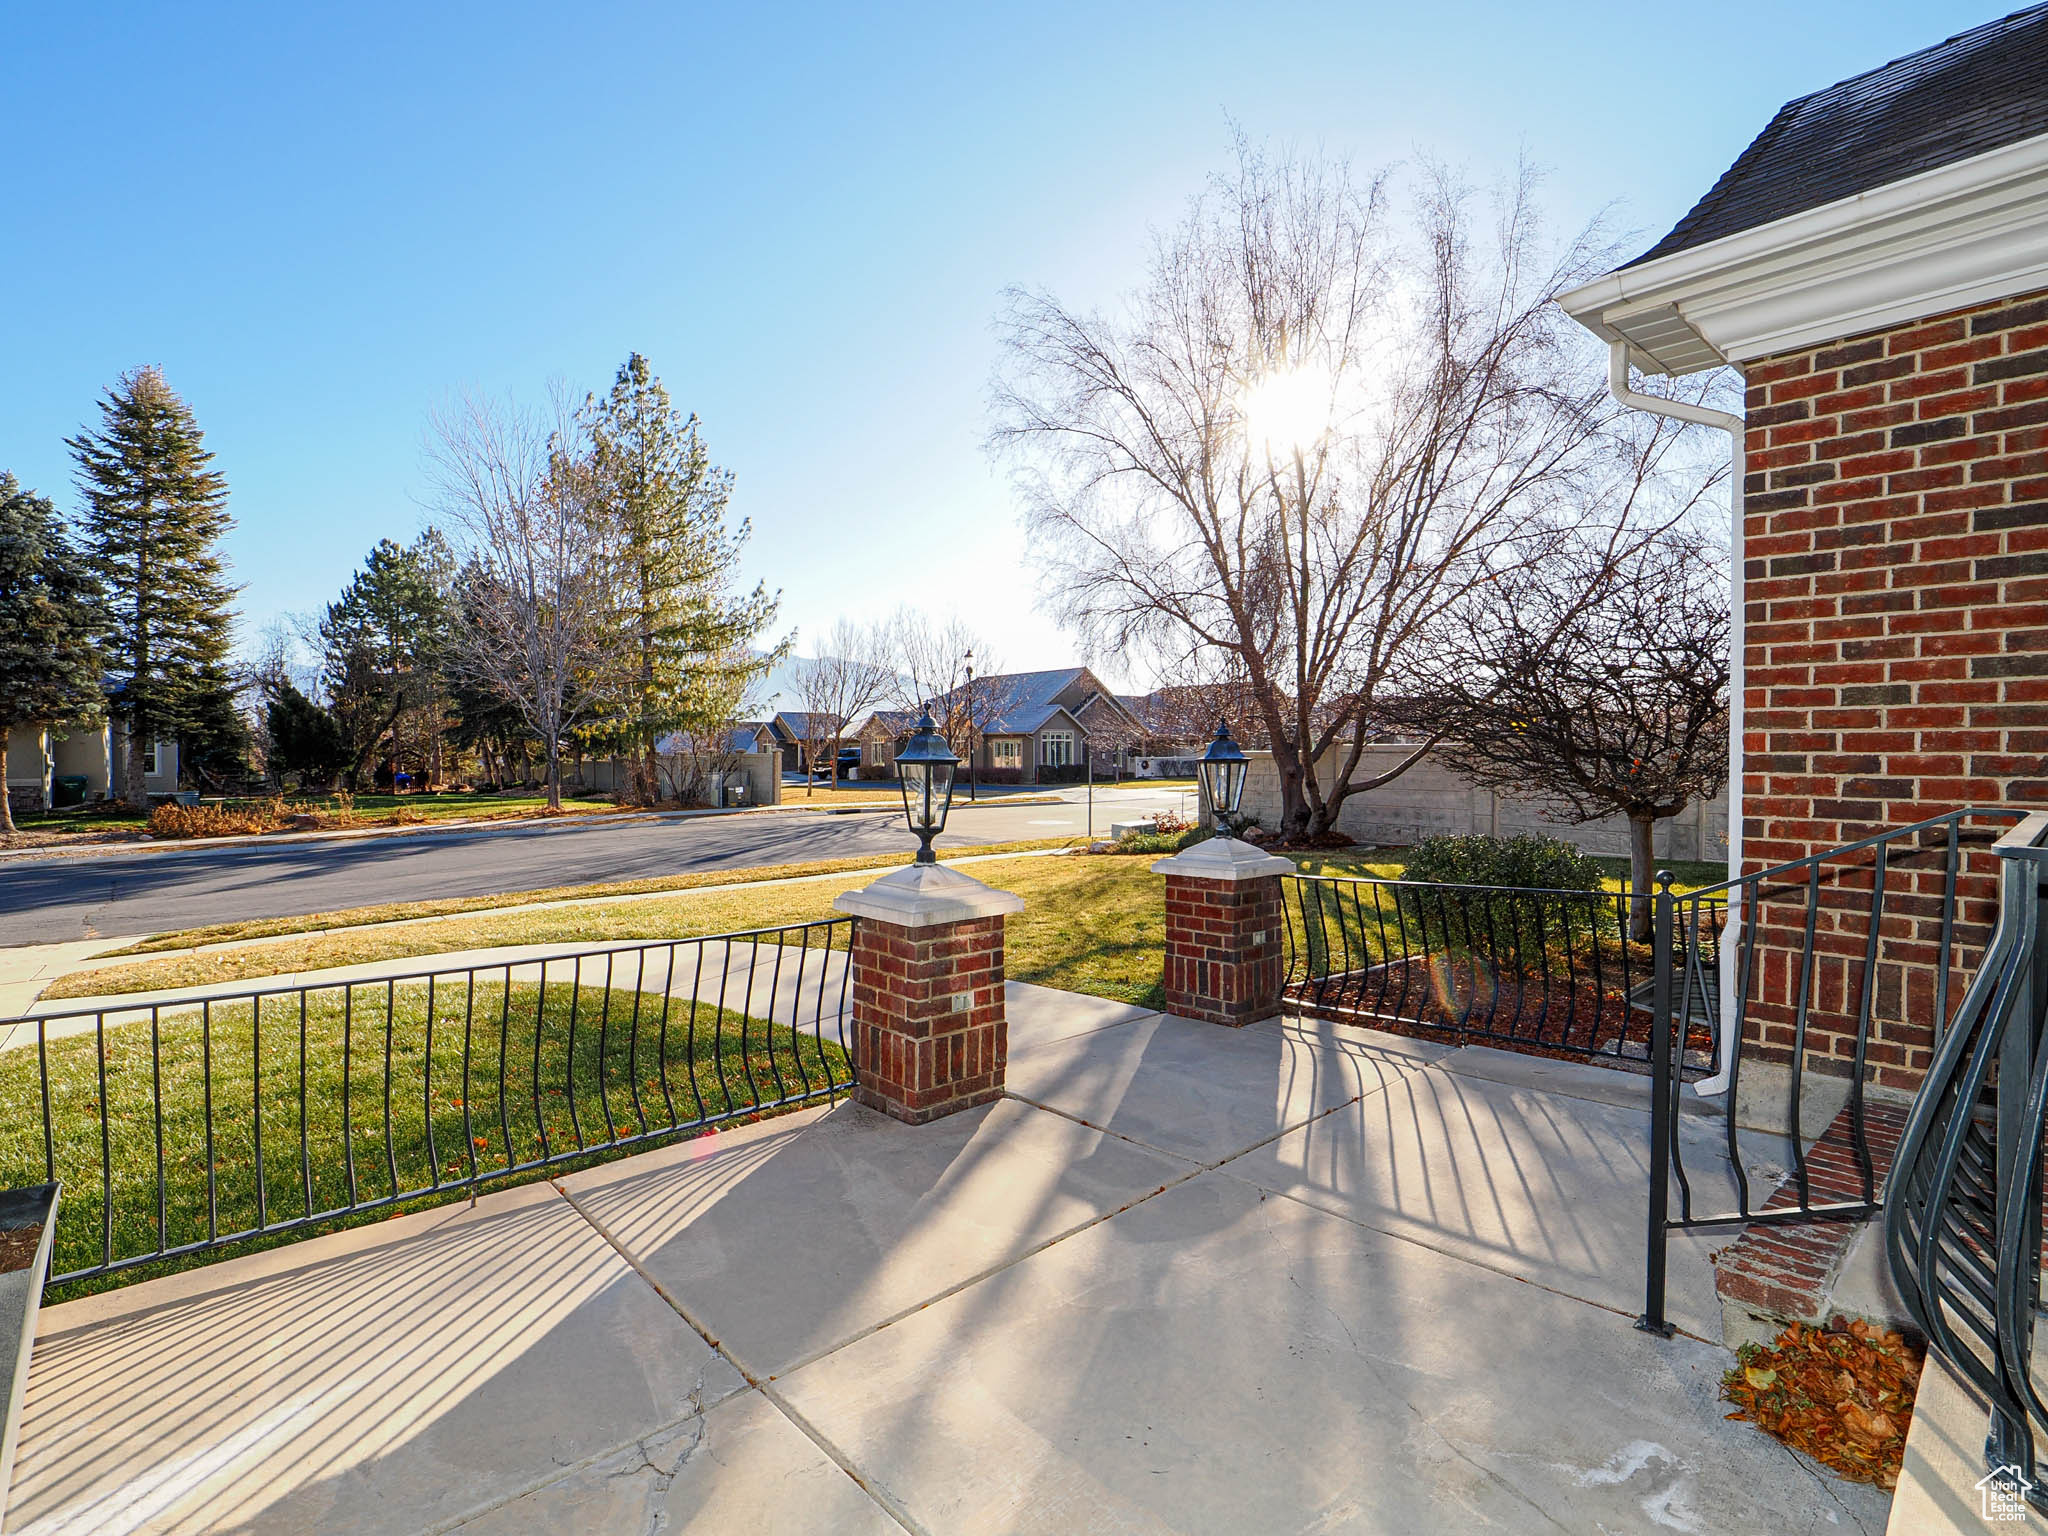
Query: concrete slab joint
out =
(930, 1032)
(1225, 932)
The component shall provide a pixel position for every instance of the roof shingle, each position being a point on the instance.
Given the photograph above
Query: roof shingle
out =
(1980, 90)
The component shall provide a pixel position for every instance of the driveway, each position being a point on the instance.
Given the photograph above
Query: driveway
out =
(52, 900)
(1182, 1279)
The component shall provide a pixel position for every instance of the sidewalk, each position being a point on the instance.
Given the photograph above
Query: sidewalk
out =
(25, 970)
(1290, 1278)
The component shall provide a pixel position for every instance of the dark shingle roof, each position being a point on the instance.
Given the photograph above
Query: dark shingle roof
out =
(1976, 92)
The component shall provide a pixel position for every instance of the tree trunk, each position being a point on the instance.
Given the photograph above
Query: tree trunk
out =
(1642, 829)
(135, 789)
(554, 776)
(6, 800)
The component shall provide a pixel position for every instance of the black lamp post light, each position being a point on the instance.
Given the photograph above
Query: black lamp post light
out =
(925, 767)
(1224, 767)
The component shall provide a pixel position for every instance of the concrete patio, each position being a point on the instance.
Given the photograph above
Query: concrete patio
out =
(1184, 1278)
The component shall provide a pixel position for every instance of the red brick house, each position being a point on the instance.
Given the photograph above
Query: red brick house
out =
(1876, 266)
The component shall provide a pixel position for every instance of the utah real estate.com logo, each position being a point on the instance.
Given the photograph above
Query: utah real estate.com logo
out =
(2003, 1493)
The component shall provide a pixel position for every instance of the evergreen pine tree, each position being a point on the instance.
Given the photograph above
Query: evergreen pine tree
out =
(691, 634)
(155, 513)
(49, 616)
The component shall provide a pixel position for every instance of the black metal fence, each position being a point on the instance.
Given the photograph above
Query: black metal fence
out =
(1550, 971)
(1841, 967)
(191, 1124)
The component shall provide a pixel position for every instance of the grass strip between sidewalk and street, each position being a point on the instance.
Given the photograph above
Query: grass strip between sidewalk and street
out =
(414, 911)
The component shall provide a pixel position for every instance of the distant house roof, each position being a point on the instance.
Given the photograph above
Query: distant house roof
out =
(1017, 703)
(896, 722)
(1980, 90)
(796, 724)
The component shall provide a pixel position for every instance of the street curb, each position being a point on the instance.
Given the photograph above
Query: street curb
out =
(576, 821)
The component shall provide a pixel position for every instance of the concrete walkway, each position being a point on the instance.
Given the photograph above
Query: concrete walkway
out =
(1291, 1278)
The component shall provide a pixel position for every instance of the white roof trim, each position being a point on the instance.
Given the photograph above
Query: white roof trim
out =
(1962, 234)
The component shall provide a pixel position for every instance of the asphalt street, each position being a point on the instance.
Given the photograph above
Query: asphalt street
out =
(81, 896)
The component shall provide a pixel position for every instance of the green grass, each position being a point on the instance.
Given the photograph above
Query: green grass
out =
(1065, 887)
(408, 911)
(506, 1113)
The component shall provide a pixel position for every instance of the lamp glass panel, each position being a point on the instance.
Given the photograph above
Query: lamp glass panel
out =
(1234, 777)
(916, 778)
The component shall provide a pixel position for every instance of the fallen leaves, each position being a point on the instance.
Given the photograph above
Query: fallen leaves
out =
(1843, 1394)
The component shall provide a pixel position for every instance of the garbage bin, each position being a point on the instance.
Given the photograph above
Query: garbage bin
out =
(68, 789)
(735, 792)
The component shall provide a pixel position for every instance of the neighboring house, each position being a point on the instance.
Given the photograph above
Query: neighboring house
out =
(1031, 727)
(792, 731)
(39, 756)
(1876, 266)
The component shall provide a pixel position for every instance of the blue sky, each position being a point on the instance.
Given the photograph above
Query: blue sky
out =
(323, 226)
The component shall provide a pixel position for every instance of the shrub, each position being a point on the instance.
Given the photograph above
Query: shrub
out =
(1506, 924)
(1527, 862)
(1169, 834)
(172, 820)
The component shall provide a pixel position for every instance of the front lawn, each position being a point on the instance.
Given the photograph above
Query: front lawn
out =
(388, 1110)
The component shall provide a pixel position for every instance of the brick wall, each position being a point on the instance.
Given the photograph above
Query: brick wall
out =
(1225, 949)
(930, 1034)
(1896, 650)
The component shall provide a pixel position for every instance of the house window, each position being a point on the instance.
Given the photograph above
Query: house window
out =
(1056, 749)
(149, 758)
(1006, 752)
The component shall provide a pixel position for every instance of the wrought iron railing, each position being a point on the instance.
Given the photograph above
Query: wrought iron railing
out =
(182, 1124)
(1963, 1225)
(1550, 971)
(1839, 968)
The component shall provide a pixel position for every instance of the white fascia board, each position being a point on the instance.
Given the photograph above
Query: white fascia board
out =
(1963, 234)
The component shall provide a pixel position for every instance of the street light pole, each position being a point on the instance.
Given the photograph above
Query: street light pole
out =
(972, 755)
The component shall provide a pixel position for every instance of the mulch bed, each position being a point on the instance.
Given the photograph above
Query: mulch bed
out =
(1560, 1016)
(18, 1247)
(1843, 1394)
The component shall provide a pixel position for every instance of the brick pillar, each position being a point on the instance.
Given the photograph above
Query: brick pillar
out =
(929, 1033)
(1225, 932)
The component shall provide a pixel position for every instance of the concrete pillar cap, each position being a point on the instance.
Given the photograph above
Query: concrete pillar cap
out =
(926, 895)
(1224, 858)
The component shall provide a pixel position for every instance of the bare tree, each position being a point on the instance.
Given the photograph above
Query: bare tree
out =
(1620, 706)
(930, 661)
(1313, 435)
(536, 621)
(851, 676)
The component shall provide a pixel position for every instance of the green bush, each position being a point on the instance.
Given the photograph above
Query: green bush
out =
(1528, 862)
(1167, 834)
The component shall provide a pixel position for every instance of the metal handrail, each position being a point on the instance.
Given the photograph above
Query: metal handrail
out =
(1963, 1222)
(1855, 885)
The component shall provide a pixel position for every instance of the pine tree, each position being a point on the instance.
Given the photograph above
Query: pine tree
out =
(155, 513)
(386, 639)
(49, 615)
(691, 634)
